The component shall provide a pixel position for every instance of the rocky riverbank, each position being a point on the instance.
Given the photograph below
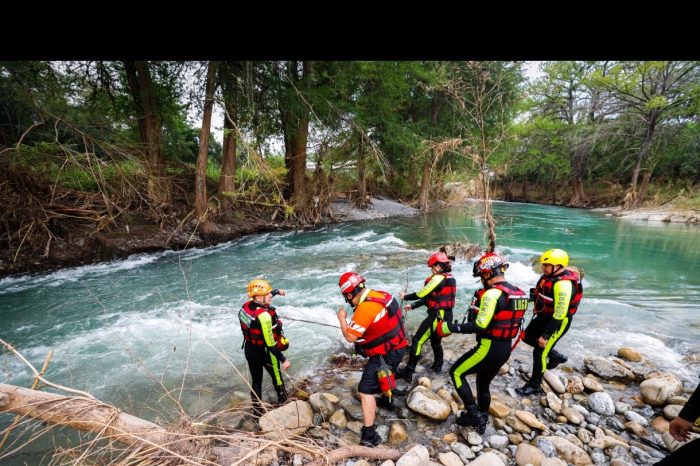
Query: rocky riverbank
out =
(611, 411)
(667, 214)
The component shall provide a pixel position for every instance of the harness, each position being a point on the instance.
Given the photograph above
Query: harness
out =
(389, 330)
(508, 315)
(544, 292)
(250, 324)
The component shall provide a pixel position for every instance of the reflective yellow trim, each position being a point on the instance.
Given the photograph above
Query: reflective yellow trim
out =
(472, 361)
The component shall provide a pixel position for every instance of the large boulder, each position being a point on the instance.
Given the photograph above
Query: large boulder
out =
(657, 390)
(323, 404)
(416, 456)
(608, 370)
(528, 454)
(429, 404)
(570, 452)
(291, 419)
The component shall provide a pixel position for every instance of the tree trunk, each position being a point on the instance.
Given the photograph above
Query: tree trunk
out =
(645, 186)
(201, 201)
(80, 413)
(361, 179)
(227, 181)
(425, 184)
(143, 95)
(579, 196)
(294, 112)
(644, 151)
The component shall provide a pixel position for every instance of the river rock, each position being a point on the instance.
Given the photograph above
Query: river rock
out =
(607, 442)
(473, 438)
(416, 456)
(572, 415)
(621, 407)
(293, 418)
(552, 462)
(487, 459)
(629, 354)
(554, 381)
(429, 404)
(671, 411)
(518, 425)
(425, 382)
(636, 417)
(530, 420)
(569, 452)
(338, 419)
(657, 390)
(660, 424)
(322, 404)
(554, 402)
(444, 394)
(515, 438)
(545, 446)
(574, 385)
(450, 459)
(584, 436)
(601, 403)
(498, 409)
(463, 451)
(591, 384)
(598, 456)
(397, 433)
(677, 400)
(636, 428)
(498, 441)
(352, 408)
(450, 438)
(608, 370)
(528, 454)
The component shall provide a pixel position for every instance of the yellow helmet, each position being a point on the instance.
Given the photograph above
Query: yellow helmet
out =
(555, 257)
(259, 287)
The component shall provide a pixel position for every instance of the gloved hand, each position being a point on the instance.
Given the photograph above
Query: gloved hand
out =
(454, 327)
(532, 294)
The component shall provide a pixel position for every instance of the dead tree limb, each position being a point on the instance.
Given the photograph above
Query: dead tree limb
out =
(358, 452)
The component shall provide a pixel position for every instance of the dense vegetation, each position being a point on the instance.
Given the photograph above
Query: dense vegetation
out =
(99, 145)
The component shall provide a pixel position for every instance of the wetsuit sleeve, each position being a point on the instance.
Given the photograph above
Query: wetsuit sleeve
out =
(489, 300)
(419, 303)
(266, 327)
(691, 410)
(434, 284)
(275, 292)
(562, 298)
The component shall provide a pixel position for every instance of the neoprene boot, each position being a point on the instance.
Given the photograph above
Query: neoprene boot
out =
(437, 359)
(530, 388)
(555, 358)
(407, 372)
(257, 405)
(369, 437)
(471, 417)
(281, 394)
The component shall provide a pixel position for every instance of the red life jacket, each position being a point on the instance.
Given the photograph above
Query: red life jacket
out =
(544, 292)
(387, 333)
(509, 312)
(250, 325)
(444, 297)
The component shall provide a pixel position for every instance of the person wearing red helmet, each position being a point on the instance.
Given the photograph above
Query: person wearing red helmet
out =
(263, 340)
(495, 316)
(438, 294)
(377, 330)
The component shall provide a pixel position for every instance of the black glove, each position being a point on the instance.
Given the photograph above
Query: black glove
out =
(532, 294)
(454, 327)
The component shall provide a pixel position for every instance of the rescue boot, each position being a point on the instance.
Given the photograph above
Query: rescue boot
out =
(555, 358)
(471, 417)
(257, 405)
(386, 403)
(369, 437)
(281, 394)
(407, 372)
(530, 388)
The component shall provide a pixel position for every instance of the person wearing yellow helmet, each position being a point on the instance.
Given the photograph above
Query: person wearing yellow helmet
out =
(263, 340)
(557, 296)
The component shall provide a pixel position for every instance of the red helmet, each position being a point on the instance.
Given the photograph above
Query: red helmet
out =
(438, 257)
(489, 262)
(349, 281)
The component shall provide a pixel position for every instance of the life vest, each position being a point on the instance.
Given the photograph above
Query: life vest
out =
(250, 325)
(388, 332)
(443, 298)
(508, 315)
(544, 292)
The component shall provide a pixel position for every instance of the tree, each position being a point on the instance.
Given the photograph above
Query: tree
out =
(201, 201)
(653, 92)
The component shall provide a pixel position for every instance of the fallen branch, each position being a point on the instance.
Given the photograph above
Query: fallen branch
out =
(358, 452)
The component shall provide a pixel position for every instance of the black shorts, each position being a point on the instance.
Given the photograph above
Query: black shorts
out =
(369, 385)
